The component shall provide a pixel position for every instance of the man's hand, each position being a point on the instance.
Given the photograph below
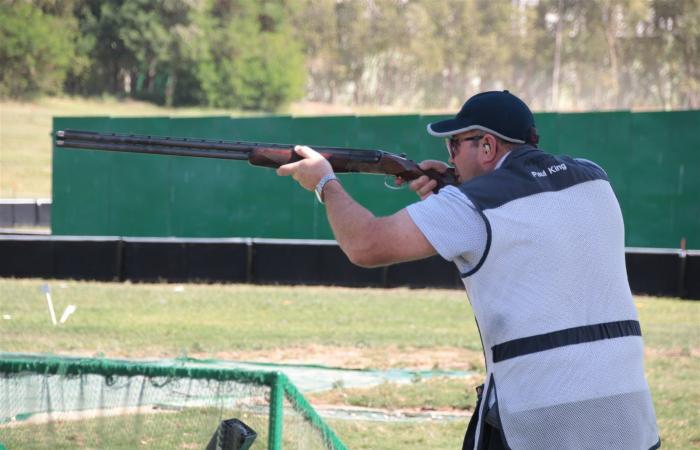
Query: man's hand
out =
(423, 186)
(309, 171)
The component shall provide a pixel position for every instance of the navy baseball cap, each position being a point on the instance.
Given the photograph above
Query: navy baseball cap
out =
(497, 112)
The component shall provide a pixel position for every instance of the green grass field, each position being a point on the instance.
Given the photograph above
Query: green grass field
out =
(104, 432)
(361, 328)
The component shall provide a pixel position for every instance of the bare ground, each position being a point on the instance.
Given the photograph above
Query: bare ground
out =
(406, 412)
(446, 358)
(391, 357)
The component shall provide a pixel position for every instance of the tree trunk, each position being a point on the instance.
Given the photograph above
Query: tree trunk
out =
(557, 57)
(170, 85)
(609, 20)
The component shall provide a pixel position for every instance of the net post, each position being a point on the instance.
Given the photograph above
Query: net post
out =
(274, 437)
(301, 405)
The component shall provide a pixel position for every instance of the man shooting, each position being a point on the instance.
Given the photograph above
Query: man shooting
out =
(539, 243)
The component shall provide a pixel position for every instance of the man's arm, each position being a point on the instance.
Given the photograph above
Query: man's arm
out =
(368, 241)
(371, 241)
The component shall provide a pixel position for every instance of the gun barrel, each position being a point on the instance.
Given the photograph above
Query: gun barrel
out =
(207, 148)
(133, 139)
(154, 149)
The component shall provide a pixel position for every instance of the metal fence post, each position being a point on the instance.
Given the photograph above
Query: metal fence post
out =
(274, 438)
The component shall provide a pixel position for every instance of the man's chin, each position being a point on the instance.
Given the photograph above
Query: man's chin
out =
(464, 178)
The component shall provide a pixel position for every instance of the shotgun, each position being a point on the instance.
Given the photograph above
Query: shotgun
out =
(343, 160)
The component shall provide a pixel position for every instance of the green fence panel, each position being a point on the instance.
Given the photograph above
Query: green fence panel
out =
(266, 205)
(200, 197)
(81, 204)
(147, 178)
(663, 200)
(651, 159)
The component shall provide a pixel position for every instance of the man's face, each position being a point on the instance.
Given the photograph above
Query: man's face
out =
(464, 154)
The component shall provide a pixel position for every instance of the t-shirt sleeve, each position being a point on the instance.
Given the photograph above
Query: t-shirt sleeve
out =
(452, 225)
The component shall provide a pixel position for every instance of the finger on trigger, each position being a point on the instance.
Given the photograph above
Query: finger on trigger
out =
(418, 181)
(428, 187)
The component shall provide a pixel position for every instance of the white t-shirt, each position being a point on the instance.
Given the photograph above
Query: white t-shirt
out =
(452, 225)
(455, 229)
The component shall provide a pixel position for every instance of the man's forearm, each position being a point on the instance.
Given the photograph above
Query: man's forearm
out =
(351, 222)
(368, 241)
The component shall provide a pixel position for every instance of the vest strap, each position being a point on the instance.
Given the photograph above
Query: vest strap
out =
(561, 338)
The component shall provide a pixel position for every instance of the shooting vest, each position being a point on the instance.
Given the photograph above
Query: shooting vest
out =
(559, 328)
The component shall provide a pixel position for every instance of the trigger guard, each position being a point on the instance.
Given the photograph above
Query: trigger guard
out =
(393, 186)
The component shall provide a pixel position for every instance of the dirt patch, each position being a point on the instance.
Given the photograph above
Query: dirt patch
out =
(447, 358)
(381, 358)
(672, 352)
(69, 416)
(408, 412)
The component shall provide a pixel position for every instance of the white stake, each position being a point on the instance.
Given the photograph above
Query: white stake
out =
(47, 291)
(70, 309)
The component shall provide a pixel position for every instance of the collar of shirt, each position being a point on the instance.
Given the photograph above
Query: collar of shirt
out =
(500, 161)
(503, 158)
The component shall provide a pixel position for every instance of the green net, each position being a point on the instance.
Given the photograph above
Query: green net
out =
(57, 403)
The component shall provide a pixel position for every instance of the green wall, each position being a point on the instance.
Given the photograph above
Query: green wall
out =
(653, 160)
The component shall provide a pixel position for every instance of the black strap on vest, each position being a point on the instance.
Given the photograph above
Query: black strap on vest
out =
(569, 336)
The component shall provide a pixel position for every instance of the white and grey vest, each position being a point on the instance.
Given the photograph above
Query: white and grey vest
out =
(559, 327)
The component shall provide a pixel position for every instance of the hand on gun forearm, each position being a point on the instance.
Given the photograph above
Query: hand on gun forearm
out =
(309, 171)
(423, 186)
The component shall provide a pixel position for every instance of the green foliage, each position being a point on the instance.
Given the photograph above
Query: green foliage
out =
(232, 54)
(36, 50)
(138, 48)
(252, 60)
(556, 54)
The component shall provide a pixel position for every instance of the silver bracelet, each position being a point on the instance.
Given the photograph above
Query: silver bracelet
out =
(321, 184)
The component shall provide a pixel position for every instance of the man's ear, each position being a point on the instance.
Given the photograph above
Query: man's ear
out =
(488, 148)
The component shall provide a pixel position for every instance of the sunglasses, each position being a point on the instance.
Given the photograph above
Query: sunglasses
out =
(453, 143)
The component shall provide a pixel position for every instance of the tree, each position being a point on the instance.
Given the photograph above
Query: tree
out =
(251, 59)
(246, 54)
(677, 24)
(36, 50)
(138, 48)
